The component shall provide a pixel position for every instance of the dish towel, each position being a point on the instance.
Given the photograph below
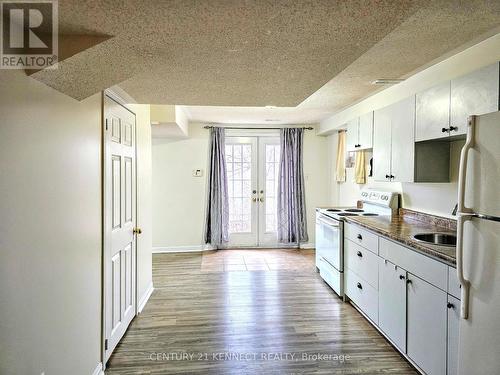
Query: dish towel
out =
(360, 168)
(340, 171)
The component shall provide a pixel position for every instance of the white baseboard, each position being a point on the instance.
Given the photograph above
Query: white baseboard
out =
(181, 249)
(98, 370)
(197, 248)
(145, 297)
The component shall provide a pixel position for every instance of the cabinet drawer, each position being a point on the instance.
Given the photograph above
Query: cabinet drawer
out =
(422, 266)
(362, 261)
(362, 294)
(362, 237)
(453, 283)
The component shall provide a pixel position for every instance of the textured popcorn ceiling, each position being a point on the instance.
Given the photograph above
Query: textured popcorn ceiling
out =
(257, 53)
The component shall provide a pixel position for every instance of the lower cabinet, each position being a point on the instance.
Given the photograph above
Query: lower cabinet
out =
(426, 326)
(392, 302)
(453, 328)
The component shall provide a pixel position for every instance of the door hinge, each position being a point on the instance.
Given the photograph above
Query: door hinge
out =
(106, 344)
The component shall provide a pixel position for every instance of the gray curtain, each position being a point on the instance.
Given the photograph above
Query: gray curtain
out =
(292, 223)
(217, 219)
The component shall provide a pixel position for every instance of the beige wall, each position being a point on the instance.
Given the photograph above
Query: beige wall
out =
(434, 198)
(179, 198)
(50, 229)
(144, 202)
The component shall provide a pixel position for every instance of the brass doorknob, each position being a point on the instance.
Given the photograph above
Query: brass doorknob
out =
(137, 230)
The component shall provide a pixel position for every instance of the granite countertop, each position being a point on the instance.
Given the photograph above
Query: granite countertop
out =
(403, 227)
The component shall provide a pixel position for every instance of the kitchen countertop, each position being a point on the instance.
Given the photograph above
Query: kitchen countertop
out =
(402, 228)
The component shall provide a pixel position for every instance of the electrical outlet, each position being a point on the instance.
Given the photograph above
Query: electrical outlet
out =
(197, 172)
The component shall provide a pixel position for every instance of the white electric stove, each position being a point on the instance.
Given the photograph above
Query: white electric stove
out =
(330, 233)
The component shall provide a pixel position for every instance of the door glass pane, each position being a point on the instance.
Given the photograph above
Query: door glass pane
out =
(272, 167)
(239, 179)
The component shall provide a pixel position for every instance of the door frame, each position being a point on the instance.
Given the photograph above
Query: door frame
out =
(256, 134)
(105, 235)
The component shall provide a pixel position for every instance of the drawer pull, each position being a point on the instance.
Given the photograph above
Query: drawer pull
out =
(359, 286)
(450, 305)
(360, 254)
(402, 277)
(360, 237)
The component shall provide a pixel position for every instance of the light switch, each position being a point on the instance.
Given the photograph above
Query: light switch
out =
(197, 172)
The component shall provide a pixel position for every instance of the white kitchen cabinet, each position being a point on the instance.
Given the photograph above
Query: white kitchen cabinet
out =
(366, 131)
(433, 112)
(382, 144)
(392, 302)
(403, 140)
(360, 133)
(426, 325)
(453, 329)
(473, 94)
(352, 136)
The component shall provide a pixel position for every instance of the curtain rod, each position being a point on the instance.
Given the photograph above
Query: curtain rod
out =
(257, 128)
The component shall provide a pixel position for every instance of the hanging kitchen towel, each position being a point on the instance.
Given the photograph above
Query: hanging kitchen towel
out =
(340, 171)
(360, 168)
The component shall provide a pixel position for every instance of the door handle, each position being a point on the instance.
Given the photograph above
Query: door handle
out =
(359, 286)
(360, 237)
(137, 230)
(360, 254)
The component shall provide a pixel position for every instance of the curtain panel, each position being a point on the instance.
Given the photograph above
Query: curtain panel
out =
(217, 209)
(292, 222)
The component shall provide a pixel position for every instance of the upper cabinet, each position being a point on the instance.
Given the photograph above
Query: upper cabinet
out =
(433, 112)
(442, 110)
(360, 133)
(473, 94)
(393, 142)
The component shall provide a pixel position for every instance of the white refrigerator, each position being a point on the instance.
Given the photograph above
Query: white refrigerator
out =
(478, 247)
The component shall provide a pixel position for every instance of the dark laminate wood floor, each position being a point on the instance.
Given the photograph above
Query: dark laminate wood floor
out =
(210, 315)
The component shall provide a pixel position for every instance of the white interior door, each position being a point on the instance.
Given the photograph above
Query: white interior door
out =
(119, 222)
(252, 169)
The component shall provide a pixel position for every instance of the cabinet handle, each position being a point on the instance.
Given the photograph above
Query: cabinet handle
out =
(402, 277)
(445, 130)
(408, 281)
(360, 254)
(387, 176)
(450, 305)
(453, 128)
(360, 237)
(391, 176)
(359, 286)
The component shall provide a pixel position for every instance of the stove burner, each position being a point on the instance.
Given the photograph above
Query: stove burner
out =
(333, 210)
(347, 214)
(370, 214)
(353, 210)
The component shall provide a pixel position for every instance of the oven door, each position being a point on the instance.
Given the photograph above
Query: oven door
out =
(328, 243)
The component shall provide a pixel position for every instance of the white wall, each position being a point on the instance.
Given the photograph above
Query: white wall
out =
(469, 60)
(433, 198)
(179, 198)
(144, 199)
(50, 229)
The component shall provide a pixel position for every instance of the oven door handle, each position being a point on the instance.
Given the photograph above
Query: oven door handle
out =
(326, 221)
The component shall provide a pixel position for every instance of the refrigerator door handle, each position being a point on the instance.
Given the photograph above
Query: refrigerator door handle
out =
(464, 290)
(464, 155)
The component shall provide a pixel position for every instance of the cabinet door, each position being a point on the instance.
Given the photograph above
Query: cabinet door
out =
(392, 302)
(433, 112)
(427, 316)
(382, 144)
(366, 131)
(403, 140)
(352, 137)
(453, 328)
(473, 94)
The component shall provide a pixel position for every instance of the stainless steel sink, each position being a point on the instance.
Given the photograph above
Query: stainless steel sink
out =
(441, 239)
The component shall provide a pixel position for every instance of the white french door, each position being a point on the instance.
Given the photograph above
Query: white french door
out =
(252, 169)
